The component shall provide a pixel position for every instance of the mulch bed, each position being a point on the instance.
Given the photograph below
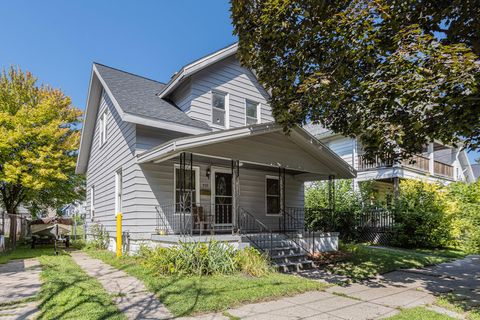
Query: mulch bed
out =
(326, 258)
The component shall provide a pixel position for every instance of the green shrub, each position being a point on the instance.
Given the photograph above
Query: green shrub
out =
(250, 261)
(192, 258)
(463, 204)
(198, 258)
(420, 216)
(100, 237)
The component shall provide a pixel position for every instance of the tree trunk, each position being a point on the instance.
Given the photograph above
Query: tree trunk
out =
(13, 229)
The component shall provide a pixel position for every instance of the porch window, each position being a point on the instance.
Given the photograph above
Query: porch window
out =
(219, 108)
(191, 187)
(252, 112)
(272, 195)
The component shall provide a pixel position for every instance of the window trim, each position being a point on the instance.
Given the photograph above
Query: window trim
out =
(270, 177)
(196, 169)
(258, 111)
(118, 191)
(227, 109)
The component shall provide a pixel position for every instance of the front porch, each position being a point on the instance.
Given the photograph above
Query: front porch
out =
(243, 185)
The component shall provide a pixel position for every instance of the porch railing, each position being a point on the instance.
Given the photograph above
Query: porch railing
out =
(292, 226)
(194, 219)
(443, 169)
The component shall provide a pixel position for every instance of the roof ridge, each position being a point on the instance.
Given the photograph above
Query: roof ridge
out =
(127, 72)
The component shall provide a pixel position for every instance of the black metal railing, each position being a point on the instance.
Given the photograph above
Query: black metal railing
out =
(194, 219)
(255, 231)
(292, 226)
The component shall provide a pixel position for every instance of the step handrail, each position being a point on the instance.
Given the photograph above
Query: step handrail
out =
(245, 220)
(295, 238)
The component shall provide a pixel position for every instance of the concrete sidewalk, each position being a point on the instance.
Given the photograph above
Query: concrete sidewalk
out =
(19, 283)
(373, 299)
(129, 293)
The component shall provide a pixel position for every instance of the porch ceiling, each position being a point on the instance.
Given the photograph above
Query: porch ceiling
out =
(264, 145)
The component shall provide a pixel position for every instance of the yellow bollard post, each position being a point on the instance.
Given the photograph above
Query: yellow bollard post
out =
(119, 235)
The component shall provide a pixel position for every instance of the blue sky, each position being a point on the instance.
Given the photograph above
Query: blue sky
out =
(57, 40)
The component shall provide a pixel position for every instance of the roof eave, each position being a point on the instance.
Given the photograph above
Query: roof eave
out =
(196, 66)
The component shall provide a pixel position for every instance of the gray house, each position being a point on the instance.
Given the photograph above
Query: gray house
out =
(197, 157)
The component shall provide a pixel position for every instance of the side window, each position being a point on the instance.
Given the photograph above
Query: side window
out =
(219, 108)
(118, 191)
(92, 202)
(103, 128)
(272, 195)
(252, 112)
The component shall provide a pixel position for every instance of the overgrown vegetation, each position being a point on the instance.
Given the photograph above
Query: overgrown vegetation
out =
(199, 258)
(420, 216)
(100, 238)
(184, 295)
(426, 215)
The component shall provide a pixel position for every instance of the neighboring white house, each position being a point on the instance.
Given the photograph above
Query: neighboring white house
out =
(197, 155)
(438, 163)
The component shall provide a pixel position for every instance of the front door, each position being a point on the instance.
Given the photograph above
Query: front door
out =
(223, 198)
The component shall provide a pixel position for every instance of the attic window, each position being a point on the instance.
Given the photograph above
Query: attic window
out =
(219, 107)
(103, 128)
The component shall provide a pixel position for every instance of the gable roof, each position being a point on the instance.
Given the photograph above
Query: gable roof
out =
(137, 96)
(136, 101)
(196, 66)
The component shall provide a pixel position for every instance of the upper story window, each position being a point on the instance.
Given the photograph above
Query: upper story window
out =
(103, 128)
(118, 191)
(219, 109)
(252, 112)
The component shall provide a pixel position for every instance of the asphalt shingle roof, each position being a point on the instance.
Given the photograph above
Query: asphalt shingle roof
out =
(137, 95)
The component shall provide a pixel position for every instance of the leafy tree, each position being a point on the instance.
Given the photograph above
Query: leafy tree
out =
(38, 143)
(397, 74)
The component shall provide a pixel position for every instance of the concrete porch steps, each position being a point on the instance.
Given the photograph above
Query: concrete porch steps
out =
(285, 254)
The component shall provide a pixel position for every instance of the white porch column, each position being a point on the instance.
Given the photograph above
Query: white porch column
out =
(431, 160)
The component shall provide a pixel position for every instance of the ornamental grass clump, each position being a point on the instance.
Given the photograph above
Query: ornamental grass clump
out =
(200, 258)
(250, 261)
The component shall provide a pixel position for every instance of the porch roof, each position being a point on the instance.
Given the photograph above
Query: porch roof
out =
(260, 144)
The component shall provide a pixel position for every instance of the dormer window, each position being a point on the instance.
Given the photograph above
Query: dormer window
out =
(252, 112)
(219, 108)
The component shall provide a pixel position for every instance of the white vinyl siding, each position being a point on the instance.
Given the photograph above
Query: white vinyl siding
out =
(226, 76)
(92, 202)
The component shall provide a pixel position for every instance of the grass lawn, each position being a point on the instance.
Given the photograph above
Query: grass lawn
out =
(419, 313)
(364, 262)
(25, 252)
(195, 294)
(67, 292)
(460, 304)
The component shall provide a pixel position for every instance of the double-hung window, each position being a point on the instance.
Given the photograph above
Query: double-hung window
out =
(219, 108)
(272, 195)
(103, 128)
(92, 202)
(188, 192)
(252, 112)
